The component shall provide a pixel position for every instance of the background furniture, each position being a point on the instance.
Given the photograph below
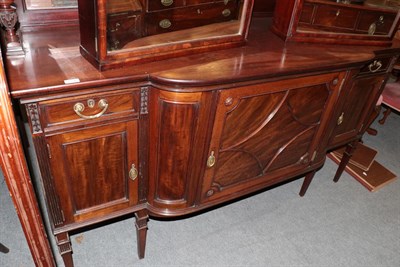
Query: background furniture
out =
(390, 99)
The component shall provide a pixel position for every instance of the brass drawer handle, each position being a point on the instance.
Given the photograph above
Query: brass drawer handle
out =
(165, 23)
(167, 2)
(375, 66)
(372, 29)
(211, 160)
(79, 107)
(226, 13)
(133, 173)
(340, 119)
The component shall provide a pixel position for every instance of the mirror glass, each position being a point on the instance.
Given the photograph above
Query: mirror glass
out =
(133, 24)
(49, 4)
(360, 17)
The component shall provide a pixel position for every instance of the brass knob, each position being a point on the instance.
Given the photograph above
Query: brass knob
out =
(211, 160)
(165, 23)
(167, 2)
(340, 119)
(133, 173)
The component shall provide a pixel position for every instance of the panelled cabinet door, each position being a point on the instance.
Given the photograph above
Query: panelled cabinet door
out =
(95, 169)
(265, 132)
(362, 94)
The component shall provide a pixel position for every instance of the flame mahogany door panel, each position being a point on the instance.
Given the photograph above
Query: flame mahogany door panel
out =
(90, 169)
(269, 132)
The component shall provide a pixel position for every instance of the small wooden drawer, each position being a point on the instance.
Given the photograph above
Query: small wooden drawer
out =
(377, 65)
(335, 17)
(190, 17)
(123, 28)
(376, 23)
(89, 108)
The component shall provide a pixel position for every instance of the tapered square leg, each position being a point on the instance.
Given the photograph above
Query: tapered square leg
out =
(141, 231)
(348, 153)
(65, 249)
(306, 183)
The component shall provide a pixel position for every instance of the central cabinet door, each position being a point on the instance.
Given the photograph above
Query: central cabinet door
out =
(267, 132)
(92, 168)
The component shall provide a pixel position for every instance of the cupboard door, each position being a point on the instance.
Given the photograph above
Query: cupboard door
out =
(361, 96)
(266, 132)
(95, 170)
(178, 128)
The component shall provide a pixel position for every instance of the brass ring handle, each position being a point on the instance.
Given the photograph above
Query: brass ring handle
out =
(167, 2)
(375, 66)
(79, 107)
(133, 173)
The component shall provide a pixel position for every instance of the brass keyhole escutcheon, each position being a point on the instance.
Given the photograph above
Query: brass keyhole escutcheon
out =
(340, 119)
(133, 173)
(228, 101)
(211, 160)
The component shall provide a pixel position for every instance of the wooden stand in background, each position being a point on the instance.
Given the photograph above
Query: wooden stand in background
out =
(364, 168)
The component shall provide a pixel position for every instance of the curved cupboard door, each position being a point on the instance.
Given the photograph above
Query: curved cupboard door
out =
(178, 128)
(267, 132)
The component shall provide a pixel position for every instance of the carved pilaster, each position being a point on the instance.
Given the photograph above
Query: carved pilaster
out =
(33, 113)
(144, 98)
(9, 22)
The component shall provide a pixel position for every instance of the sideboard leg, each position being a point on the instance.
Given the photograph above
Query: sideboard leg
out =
(306, 183)
(65, 248)
(141, 231)
(348, 153)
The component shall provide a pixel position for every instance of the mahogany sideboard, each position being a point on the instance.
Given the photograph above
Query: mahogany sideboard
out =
(177, 136)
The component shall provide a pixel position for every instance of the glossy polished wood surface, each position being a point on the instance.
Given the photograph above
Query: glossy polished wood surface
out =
(265, 56)
(177, 136)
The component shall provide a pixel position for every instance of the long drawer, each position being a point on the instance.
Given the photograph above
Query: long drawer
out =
(190, 17)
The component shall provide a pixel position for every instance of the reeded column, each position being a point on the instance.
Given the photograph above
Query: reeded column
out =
(8, 21)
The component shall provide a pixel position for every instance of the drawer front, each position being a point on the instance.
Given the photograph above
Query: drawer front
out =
(376, 23)
(89, 108)
(376, 66)
(335, 17)
(123, 28)
(306, 13)
(155, 5)
(189, 17)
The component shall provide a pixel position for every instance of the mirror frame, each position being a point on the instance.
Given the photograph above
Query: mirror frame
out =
(95, 49)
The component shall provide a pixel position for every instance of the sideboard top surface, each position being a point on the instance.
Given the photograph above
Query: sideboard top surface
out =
(53, 63)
